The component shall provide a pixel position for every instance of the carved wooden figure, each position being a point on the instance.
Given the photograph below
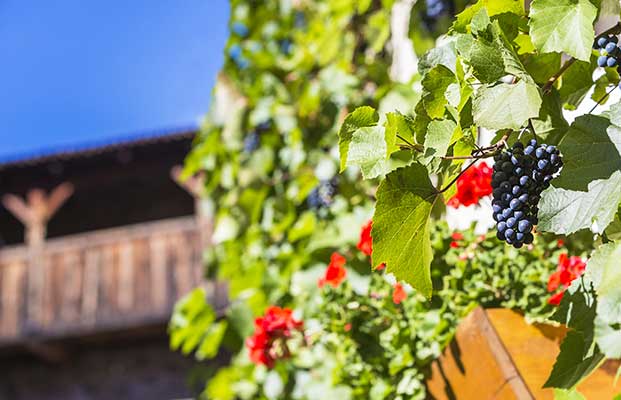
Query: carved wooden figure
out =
(34, 212)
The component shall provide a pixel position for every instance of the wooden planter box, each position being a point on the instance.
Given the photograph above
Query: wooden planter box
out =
(497, 355)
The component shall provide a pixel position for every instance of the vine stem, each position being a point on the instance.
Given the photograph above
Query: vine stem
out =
(485, 152)
(548, 85)
(602, 99)
(452, 182)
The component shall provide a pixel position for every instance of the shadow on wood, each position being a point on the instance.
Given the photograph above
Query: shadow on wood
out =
(497, 355)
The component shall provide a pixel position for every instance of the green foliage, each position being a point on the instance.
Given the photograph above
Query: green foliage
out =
(193, 326)
(364, 346)
(312, 80)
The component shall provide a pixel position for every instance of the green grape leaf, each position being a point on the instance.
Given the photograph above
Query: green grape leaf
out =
(401, 226)
(603, 269)
(484, 58)
(367, 150)
(192, 318)
(493, 7)
(576, 82)
(563, 26)
(435, 84)
(565, 211)
(551, 125)
(578, 357)
(542, 66)
(591, 150)
(442, 55)
(490, 54)
(506, 105)
(211, 341)
(438, 138)
(571, 365)
(361, 117)
(397, 124)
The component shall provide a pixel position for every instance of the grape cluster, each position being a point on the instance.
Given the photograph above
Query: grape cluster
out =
(322, 195)
(520, 175)
(252, 141)
(610, 52)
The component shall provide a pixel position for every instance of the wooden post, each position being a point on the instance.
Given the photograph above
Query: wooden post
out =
(195, 186)
(34, 213)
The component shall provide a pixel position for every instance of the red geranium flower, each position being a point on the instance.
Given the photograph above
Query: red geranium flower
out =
(365, 244)
(398, 294)
(473, 184)
(271, 331)
(454, 244)
(569, 268)
(555, 299)
(335, 273)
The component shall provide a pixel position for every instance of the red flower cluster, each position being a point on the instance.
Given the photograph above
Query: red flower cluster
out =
(569, 268)
(398, 294)
(335, 273)
(271, 331)
(365, 244)
(475, 183)
(456, 236)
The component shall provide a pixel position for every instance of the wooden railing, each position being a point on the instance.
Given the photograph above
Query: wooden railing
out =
(103, 280)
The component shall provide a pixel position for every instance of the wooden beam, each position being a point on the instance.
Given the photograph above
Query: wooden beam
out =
(50, 353)
(195, 186)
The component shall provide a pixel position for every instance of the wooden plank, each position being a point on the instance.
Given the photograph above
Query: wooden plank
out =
(107, 287)
(90, 286)
(534, 348)
(142, 283)
(159, 284)
(113, 236)
(181, 250)
(198, 266)
(497, 355)
(48, 270)
(71, 284)
(126, 276)
(11, 298)
(476, 365)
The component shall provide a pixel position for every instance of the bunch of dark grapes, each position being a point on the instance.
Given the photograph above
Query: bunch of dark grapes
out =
(322, 195)
(520, 175)
(252, 141)
(610, 52)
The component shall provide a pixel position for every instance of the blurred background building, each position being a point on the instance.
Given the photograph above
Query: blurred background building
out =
(97, 238)
(99, 242)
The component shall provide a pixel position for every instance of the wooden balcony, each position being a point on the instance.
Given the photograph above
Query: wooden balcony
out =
(99, 281)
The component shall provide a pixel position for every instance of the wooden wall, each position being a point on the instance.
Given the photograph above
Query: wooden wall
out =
(102, 280)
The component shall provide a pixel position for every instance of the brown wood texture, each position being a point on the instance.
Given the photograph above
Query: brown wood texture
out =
(496, 354)
(99, 280)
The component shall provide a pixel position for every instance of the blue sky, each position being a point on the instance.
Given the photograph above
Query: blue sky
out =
(74, 71)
